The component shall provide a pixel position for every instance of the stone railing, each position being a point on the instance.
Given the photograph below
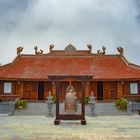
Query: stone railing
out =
(133, 107)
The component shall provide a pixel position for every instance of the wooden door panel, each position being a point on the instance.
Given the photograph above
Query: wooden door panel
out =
(30, 90)
(113, 90)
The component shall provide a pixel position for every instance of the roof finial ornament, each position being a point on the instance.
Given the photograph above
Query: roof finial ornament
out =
(89, 47)
(38, 51)
(99, 52)
(102, 52)
(120, 50)
(51, 47)
(19, 50)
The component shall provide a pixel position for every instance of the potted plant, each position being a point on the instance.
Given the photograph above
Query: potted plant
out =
(54, 99)
(21, 104)
(121, 104)
(87, 100)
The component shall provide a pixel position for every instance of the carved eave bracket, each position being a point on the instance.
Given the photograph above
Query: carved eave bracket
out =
(120, 50)
(19, 50)
(38, 51)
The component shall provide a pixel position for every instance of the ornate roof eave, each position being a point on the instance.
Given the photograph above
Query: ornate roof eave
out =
(90, 79)
(23, 79)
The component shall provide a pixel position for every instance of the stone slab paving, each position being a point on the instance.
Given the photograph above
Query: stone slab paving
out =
(97, 128)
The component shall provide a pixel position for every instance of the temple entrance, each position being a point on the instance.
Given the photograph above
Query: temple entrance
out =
(100, 90)
(41, 90)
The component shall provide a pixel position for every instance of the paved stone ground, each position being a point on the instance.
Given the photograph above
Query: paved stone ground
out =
(97, 128)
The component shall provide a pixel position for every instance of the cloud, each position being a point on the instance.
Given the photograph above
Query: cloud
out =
(41, 22)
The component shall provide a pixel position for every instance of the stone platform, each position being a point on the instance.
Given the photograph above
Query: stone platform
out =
(97, 128)
(40, 108)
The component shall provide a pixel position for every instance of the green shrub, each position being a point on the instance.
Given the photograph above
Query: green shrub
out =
(54, 99)
(121, 103)
(87, 100)
(21, 103)
(0, 99)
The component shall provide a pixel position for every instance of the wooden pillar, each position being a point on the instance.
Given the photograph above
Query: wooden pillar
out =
(53, 88)
(21, 84)
(1, 87)
(139, 86)
(83, 121)
(87, 90)
(13, 92)
(120, 89)
(57, 120)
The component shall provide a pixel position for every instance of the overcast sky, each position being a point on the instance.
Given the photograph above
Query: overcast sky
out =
(108, 23)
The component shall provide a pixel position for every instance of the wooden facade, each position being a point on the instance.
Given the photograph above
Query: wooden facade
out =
(113, 76)
(29, 90)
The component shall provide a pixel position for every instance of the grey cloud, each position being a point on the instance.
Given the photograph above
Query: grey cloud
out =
(10, 13)
(110, 23)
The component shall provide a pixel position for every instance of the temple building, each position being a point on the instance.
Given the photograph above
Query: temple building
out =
(27, 76)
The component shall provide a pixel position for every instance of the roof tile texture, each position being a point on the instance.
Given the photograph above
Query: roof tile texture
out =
(41, 66)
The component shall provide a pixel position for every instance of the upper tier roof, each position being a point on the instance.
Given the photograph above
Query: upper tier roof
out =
(39, 67)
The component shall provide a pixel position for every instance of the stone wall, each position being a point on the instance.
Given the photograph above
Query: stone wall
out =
(133, 107)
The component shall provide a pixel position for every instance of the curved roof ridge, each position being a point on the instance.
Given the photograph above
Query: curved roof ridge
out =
(125, 60)
(129, 63)
(5, 65)
(134, 65)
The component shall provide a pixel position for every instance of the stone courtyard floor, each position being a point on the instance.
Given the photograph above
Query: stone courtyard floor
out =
(125, 127)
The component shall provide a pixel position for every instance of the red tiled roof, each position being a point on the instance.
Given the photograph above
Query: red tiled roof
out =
(101, 67)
